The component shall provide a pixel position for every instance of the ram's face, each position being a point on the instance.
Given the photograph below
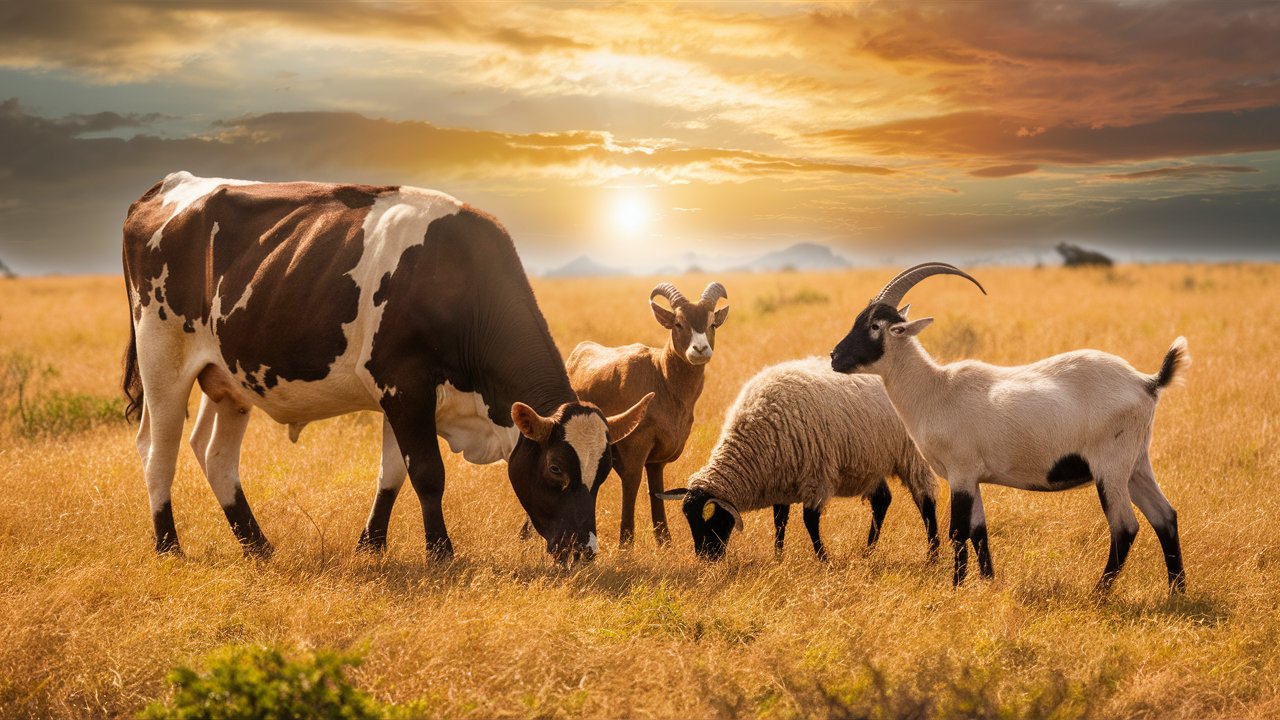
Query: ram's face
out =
(863, 346)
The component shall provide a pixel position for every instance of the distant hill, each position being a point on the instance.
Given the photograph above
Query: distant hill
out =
(583, 266)
(801, 256)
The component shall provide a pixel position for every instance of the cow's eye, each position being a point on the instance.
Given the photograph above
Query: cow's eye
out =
(556, 469)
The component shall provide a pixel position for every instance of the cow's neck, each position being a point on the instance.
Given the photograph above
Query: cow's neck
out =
(515, 359)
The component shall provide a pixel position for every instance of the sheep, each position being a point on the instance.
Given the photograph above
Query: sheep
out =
(608, 376)
(800, 433)
(1056, 424)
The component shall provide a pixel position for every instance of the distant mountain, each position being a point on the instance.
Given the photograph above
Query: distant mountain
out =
(583, 266)
(801, 256)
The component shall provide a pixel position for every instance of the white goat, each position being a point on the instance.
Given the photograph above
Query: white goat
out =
(1079, 417)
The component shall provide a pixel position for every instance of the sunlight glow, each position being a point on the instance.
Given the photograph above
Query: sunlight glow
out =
(630, 213)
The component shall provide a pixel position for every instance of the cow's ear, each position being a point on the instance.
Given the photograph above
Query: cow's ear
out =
(624, 423)
(530, 423)
(665, 317)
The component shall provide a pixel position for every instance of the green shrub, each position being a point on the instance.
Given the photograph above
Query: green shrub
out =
(56, 413)
(260, 683)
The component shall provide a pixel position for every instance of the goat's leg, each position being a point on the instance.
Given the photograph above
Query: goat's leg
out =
(391, 475)
(1115, 500)
(629, 465)
(961, 510)
(781, 512)
(1163, 518)
(880, 500)
(978, 535)
(657, 508)
(812, 517)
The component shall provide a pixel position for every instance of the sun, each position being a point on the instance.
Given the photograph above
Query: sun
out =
(630, 213)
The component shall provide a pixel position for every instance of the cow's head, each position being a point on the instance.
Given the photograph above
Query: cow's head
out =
(692, 325)
(557, 468)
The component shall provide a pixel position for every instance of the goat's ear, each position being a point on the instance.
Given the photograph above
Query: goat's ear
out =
(624, 423)
(910, 329)
(904, 310)
(721, 315)
(530, 423)
(675, 494)
(665, 317)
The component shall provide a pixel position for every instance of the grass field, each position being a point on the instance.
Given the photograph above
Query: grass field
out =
(90, 619)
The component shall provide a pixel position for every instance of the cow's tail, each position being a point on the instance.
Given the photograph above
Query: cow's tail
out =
(132, 381)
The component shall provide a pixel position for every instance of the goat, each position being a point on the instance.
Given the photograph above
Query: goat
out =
(1056, 424)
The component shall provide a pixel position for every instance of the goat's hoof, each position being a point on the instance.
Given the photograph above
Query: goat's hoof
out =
(440, 551)
(261, 549)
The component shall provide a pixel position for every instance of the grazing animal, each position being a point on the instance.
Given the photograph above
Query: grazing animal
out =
(1060, 423)
(310, 300)
(801, 433)
(616, 377)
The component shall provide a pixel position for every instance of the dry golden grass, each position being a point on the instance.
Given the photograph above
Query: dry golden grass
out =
(90, 619)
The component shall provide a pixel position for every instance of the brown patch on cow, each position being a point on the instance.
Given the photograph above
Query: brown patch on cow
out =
(219, 386)
(288, 246)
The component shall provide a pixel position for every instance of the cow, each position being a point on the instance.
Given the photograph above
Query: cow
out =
(311, 300)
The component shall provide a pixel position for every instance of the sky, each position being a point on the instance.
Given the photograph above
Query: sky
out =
(961, 130)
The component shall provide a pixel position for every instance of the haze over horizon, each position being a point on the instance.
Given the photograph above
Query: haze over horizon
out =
(636, 133)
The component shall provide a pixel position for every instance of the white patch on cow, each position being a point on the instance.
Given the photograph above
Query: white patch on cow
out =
(180, 190)
(698, 357)
(587, 434)
(462, 419)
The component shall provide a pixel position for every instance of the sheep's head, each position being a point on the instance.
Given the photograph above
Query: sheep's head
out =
(692, 325)
(880, 325)
(711, 520)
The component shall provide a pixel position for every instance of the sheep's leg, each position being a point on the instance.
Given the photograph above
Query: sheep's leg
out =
(978, 535)
(216, 439)
(391, 475)
(1163, 518)
(880, 500)
(813, 516)
(1124, 528)
(961, 509)
(781, 512)
(657, 508)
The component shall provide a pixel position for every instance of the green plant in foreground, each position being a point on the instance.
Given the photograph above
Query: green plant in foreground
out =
(262, 684)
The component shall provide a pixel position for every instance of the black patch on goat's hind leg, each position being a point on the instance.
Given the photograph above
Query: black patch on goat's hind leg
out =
(961, 510)
(1172, 549)
(166, 531)
(781, 512)
(1121, 542)
(812, 518)
(880, 500)
(374, 536)
(1071, 470)
(245, 526)
(982, 548)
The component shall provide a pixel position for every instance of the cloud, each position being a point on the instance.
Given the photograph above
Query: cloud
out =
(1181, 172)
(1003, 171)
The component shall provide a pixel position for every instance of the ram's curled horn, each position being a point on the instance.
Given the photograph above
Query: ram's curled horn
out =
(668, 291)
(897, 288)
(714, 292)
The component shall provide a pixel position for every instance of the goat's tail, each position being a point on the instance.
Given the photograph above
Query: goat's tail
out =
(1174, 366)
(132, 381)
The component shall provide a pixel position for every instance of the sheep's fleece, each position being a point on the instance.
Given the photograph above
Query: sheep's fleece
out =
(800, 432)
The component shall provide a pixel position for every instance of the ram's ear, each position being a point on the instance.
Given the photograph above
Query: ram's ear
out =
(665, 317)
(721, 315)
(911, 328)
(676, 494)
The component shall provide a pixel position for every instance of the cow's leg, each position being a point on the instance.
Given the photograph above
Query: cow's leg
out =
(629, 463)
(978, 535)
(781, 512)
(812, 518)
(880, 500)
(415, 433)
(391, 477)
(1118, 507)
(657, 509)
(166, 389)
(1163, 518)
(216, 439)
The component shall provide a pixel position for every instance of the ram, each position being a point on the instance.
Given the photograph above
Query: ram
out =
(801, 433)
(1063, 422)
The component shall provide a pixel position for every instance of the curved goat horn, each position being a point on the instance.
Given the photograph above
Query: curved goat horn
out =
(715, 291)
(893, 292)
(668, 291)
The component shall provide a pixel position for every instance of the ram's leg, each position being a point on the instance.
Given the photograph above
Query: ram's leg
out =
(781, 512)
(961, 511)
(1114, 497)
(1163, 518)
(978, 535)
(657, 508)
(812, 518)
(391, 475)
(629, 463)
(880, 500)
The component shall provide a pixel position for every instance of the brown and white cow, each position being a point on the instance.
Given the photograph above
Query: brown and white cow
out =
(311, 300)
